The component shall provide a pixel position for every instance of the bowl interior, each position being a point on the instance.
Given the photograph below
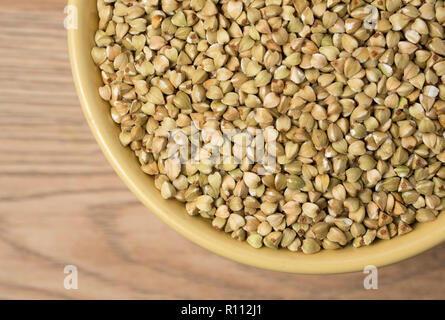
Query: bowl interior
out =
(87, 79)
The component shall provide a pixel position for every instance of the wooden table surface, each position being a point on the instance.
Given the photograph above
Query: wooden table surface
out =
(62, 204)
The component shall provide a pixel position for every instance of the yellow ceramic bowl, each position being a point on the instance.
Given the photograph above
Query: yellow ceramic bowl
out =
(87, 79)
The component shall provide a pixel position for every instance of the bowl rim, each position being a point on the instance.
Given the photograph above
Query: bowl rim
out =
(423, 238)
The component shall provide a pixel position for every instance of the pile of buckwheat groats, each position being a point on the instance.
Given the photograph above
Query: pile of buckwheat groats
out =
(289, 124)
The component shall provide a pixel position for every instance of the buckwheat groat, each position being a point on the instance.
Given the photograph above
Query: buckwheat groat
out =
(304, 125)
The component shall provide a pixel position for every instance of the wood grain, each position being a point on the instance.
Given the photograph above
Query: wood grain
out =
(61, 203)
